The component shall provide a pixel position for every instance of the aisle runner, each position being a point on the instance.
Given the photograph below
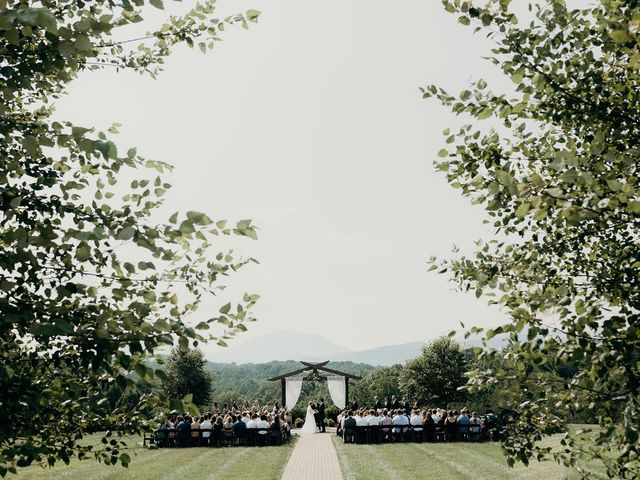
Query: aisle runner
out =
(314, 458)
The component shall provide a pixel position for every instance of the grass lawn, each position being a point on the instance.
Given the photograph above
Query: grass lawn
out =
(441, 461)
(259, 463)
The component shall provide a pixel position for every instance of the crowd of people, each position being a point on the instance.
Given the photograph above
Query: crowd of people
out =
(226, 425)
(432, 424)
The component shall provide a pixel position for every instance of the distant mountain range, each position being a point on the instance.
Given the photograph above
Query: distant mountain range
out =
(288, 345)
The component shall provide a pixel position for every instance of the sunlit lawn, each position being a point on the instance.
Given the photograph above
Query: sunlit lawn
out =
(442, 461)
(260, 463)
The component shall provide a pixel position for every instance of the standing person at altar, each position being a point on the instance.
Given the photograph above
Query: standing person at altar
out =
(377, 404)
(320, 408)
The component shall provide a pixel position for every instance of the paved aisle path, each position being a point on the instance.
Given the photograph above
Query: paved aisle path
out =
(314, 458)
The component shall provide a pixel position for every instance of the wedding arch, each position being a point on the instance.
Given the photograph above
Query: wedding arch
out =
(338, 383)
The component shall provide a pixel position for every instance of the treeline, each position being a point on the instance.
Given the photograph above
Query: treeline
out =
(438, 377)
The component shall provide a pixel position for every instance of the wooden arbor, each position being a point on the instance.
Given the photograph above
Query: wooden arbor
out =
(313, 368)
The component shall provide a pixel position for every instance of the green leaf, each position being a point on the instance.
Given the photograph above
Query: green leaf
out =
(30, 144)
(126, 233)
(252, 15)
(157, 4)
(485, 113)
(83, 252)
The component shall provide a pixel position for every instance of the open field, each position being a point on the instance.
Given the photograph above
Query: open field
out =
(442, 461)
(260, 463)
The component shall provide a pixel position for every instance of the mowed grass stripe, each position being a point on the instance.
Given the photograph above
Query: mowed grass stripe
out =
(201, 463)
(384, 463)
(355, 465)
(348, 470)
(462, 471)
(84, 469)
(468, 457)
(260, 463)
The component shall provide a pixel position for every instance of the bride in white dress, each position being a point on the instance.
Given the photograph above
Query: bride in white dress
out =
(309, 422)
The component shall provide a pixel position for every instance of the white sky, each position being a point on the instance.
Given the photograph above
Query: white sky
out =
(312, 125)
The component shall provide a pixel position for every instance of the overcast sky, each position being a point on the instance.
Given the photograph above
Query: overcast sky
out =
(312, 125)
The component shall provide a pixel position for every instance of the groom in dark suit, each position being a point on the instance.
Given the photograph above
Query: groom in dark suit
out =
(320, 417)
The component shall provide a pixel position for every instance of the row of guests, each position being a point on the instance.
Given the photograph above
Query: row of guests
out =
(208, 422)
(429, 419)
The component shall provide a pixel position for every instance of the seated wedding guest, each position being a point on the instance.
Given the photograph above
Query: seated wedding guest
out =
(349, 421)
(227, 423)
(450, 427)
(262, 422)
(163, 425)
(195, 425)
(205, 426)
(416, 420)
(340, 422)
(239, 426)
(288, 417)
(435, 414)
(400, 420)
(474, 426)
(429, 425)
(275, 423)
(386, 418)
(373, 419)
(361, 421)
(253, 423)
(218, 425)
(183, 423)
(245, 417)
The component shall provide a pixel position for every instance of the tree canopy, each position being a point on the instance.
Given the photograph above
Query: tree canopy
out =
(436, 375)
(92, 280)
(185, 374)
(555, 164)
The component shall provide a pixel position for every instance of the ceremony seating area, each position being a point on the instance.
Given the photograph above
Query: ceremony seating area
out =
(173, 438)
(436, 425)
(227, 427)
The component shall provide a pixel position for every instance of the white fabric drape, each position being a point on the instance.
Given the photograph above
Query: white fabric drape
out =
(338, 389)
(292, 392)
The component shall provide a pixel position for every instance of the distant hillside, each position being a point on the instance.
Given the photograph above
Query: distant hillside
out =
(287, 345)
(386, 355)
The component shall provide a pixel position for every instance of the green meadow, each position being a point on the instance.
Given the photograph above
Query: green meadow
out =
(232, 463)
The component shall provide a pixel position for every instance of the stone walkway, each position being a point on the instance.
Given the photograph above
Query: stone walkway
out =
(314, 458)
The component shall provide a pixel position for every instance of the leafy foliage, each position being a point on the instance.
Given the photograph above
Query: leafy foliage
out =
(381, 383)
(559, 181)
(91, 282)
(435, 377)
(185, 374)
